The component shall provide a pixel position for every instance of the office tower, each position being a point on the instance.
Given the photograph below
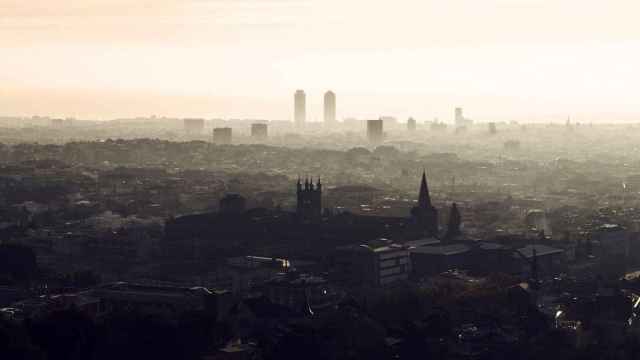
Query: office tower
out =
(222, 135)
(411, 124)
(300, 107)
(459, 118)
(375, 130)
(329, 107)
(259, 131)
(193, 126)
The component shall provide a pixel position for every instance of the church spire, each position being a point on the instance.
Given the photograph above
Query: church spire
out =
(424, 200)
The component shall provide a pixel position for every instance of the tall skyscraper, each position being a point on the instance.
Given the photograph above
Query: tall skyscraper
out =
(300, 107)
(411, 124)
(459, 118)
(329, 107)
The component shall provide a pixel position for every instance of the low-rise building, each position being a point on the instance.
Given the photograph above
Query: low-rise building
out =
(371, 265)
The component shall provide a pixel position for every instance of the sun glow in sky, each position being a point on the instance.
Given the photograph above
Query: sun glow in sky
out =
(499, 59)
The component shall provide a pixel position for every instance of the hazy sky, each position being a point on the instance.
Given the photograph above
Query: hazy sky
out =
(500, 59)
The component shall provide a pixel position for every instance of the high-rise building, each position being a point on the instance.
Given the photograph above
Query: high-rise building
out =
(222, 135)
(329, 107)
(259, 131)
(375, 132)
(300, 107)
(411, 124)
(460, 120)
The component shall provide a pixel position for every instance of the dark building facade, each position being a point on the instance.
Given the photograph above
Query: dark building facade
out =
(425, 214)
(309, 206)
(232, 204)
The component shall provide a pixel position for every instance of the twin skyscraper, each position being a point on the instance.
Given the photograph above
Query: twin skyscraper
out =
(300, 107)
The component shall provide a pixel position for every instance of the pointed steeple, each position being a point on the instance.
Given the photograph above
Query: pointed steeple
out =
(424, 200)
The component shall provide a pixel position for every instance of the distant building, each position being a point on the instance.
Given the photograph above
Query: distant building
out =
(57, 122)
(259, 131)
(512, 145)
(301, 293)
(455, 221)
(437, 126)
(222, 135)
(232, 204)
(614, 240)
(309, 205)
(329, 107)
(542, 259)
(121, 296)
(161, 298)
(411, 124)
(300, 107)
(370, 265)
(424, 214)
(375, 132)
(193, 126)
(492, 128)
(432, 260)
(460, 120)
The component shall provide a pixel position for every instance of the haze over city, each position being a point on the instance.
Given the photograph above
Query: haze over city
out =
(319, 180)
(524, 60)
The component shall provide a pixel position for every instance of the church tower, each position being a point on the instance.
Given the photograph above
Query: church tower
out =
(424, 214)
(309, 206)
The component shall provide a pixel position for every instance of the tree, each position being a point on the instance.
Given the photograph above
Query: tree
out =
(17, 264)
(64, 335)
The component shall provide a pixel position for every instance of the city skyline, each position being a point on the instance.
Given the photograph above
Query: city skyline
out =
(242, 58)
(319, 179)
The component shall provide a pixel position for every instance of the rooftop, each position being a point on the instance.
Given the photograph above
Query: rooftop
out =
(541, 250)
(445, 250)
